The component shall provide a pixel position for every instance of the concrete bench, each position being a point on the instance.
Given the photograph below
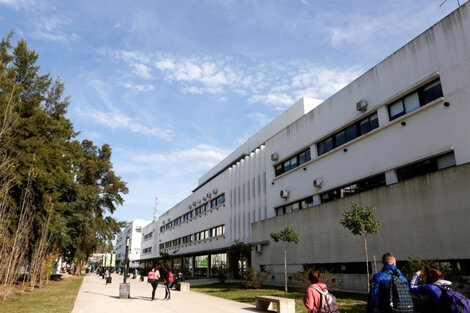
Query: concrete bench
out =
(284, 305)
(182, 286)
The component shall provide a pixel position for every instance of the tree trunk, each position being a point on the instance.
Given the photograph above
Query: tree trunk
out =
(285, 267)
(367, 262)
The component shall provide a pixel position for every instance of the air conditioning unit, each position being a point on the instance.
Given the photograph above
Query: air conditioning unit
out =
(284, 193)
(214, 191)
(204, 198)
(194, 203)
(209, 195)
(274, 157)
(199, 201)
(361, 105)
(259, 248)
(189, 207)
(317, 182)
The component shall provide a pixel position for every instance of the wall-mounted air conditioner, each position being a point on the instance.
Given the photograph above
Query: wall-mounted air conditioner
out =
(209, 195)
(259, 248)
(204, 198)
(199, 201)
(194, 203)
(214, 191)
(361, 105)
(317, 182)
(274, 157)
(284, 193)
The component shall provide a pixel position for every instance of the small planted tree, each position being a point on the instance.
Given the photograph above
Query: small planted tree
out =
(286, 236)
(361, 221)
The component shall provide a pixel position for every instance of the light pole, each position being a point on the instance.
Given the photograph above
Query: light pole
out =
(126, 260)
(124, 288)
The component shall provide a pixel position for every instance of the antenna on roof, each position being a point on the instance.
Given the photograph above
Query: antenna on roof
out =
(458, 2)
(155, 210)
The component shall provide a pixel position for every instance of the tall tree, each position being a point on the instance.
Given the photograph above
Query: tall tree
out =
(361, 221)
(286, 236)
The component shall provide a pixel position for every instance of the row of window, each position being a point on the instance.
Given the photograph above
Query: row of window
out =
(293, 162)
(415, 99)
(199, 210)
(354, 188)
(147, 250)
(148, 236)
(202, 235)
(349, 133)
(292, 207)
(412, 170)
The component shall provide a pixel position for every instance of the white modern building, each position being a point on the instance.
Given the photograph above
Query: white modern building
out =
(130, 237)
(397, 138)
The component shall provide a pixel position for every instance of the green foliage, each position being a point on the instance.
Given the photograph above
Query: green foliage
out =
(360, 220)
(286, 235)
(76, 177)
(240, 249)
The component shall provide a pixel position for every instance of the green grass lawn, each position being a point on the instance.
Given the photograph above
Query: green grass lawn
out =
(56, 297)
(348, 302)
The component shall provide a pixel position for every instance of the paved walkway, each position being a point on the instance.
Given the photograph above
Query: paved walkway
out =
(96, 296)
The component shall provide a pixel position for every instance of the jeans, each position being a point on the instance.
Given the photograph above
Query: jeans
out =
(167, 290)
(154, 284)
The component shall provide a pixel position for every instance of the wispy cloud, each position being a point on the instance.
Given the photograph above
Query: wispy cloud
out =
(202, 156)
(16, 4)
(138, 87)
(53, 28)
(119, 120)
(277, 85)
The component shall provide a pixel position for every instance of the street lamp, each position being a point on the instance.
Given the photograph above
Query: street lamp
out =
(124, 288)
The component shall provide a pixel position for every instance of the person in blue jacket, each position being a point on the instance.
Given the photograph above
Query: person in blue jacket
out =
(380, 284)
(433, 278)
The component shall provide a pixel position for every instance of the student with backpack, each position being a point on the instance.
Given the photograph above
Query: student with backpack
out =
(167, 279)
(389, 289)
(317, 298)
(440, 297)
(152, 278)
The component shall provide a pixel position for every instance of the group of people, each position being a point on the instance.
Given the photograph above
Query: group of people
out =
(168, 280)
(389, 291)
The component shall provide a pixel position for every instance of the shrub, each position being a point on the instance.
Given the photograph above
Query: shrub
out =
(254, 277)
(221, 274)
(328, 278)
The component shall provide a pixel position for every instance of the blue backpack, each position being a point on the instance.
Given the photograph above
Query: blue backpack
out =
(453, 301)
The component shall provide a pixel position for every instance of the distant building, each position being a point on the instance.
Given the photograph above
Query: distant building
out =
(133, 231)
(396, 138)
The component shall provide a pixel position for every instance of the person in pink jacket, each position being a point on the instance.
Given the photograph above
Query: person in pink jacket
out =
(313, 297)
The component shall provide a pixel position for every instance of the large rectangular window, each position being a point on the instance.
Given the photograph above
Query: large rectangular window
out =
(349, 133)
(415, 99)
(426, 166)
(354, 188)
(292, 162)
(294, 206)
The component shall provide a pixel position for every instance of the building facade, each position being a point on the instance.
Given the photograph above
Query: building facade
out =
(130, 237)
(396, 138)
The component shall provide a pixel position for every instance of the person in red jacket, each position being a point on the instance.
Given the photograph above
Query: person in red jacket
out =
(313, 297)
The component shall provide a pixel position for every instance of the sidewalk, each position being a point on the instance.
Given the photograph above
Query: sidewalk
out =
(95, 296)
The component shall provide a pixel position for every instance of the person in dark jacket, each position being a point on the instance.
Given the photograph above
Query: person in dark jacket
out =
(166, 281)
(433, 280)
(380, 284)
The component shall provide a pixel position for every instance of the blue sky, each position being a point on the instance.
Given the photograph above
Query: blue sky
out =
(174, 86)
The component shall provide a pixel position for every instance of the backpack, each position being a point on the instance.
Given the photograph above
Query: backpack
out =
(453, 301)
(399, 295)
(170, 276)
(328, 302)
(150, 276)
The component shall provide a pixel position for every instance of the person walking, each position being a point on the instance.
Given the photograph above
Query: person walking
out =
(167, 280)
(152, 278)
(317, 295)
(380, 294)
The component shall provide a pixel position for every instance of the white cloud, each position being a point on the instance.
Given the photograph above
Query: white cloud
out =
(202, 156)
(52, 28)
(142, 70)
(275, 84)
(16, 4)
(119, 120)
(138, 87)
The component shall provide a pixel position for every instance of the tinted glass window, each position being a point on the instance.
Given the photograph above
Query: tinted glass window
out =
(351, 133)
(396, 109)
(411, 102)
(432, 92)
(340, 138)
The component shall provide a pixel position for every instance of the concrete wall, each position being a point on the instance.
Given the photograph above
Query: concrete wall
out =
(424, 217)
